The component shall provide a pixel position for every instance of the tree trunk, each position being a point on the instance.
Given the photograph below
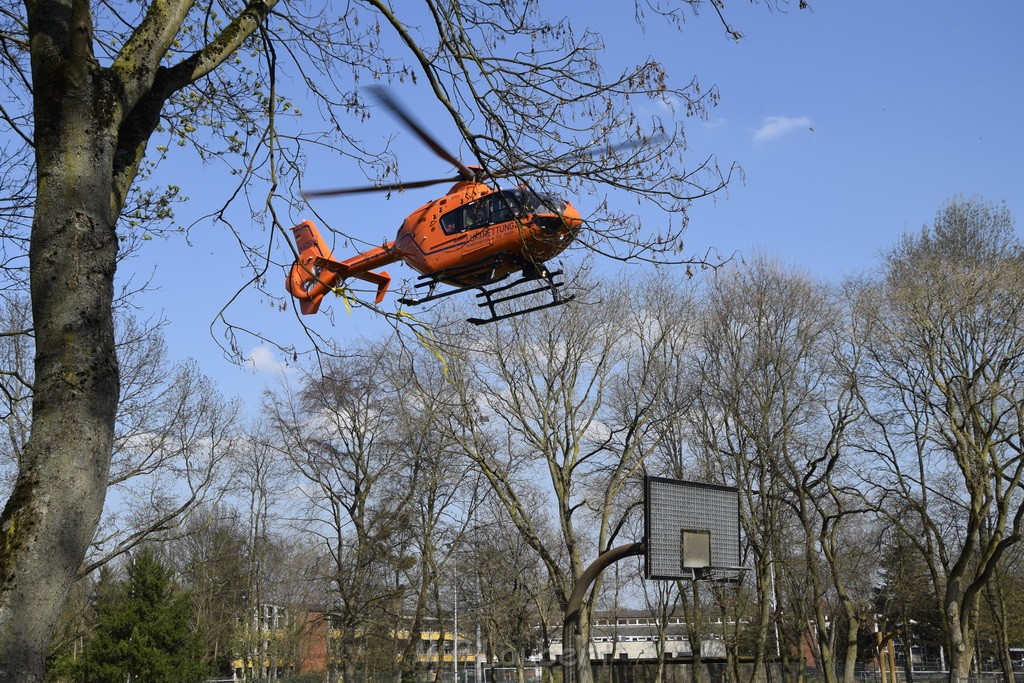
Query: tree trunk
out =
(52, 514)
(763, 623)
(908, 657)
(823, 631)
(694, 629)
(961, 654)
(961, 631)
(520, 667)
(583, 672)
(853, 626)
(997, 603)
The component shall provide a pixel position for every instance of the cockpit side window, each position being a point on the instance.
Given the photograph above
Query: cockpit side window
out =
(478, 213)
(549, 203)
(522, 202)
(452, 222)
(502, 210)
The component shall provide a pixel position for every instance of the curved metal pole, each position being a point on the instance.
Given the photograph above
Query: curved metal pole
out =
(579, 591)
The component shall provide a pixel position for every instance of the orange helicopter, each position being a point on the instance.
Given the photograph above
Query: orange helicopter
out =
(472, 238)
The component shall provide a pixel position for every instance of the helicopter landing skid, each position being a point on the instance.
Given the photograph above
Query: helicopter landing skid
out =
(491, 296)
(484, 271)
(490, 300)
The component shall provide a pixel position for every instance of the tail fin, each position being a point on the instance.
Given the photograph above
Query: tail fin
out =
(315, 272)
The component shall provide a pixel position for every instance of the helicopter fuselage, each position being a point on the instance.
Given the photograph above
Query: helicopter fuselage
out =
(474, 223)
(474, 235)
(470, 238)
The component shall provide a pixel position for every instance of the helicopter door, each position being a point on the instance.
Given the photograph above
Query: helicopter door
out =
(478, 221)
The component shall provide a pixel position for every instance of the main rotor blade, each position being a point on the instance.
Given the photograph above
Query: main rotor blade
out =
(392, 105)
(380, 188)
(580, 155)
(628, 144)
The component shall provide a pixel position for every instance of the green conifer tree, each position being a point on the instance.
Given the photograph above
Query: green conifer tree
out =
(144, 631)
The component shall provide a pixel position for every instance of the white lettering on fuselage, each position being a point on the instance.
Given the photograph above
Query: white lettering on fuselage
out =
(493, 231)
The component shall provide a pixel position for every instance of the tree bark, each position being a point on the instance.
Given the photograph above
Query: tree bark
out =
(91, 125)
(51, 516)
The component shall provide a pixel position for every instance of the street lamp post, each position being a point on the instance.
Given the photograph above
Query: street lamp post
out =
(455, 629)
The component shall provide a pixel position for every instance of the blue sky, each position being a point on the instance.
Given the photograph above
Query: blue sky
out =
(853, 122)
(856, 121)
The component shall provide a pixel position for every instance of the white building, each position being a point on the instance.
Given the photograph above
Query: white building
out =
(633, 635)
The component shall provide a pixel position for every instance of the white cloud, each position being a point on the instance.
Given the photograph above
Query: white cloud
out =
(776, 126)
(263, 359)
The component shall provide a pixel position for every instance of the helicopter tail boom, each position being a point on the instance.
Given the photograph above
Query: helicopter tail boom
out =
(315, 272)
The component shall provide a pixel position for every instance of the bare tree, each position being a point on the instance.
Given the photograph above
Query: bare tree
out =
(509, 587)
(559, 414)
(443, 493)
(211, 558)
(273, 560)
(662, 599)
(769, 418)
(173, 453)
(339, 435)
(174, 435)
(942, 338)
(16, 385)
(1002, 601)
(905, 600)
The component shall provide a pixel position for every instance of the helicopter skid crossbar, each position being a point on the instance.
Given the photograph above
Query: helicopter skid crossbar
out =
(549, 279)
(485, 269)
(414, 301)
(494, 295)
(490, 300)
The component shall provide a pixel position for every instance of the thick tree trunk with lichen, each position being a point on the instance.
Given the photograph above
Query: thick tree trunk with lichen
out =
(51, 516)
(91, 127)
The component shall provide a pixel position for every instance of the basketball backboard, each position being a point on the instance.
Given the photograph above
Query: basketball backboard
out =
(692, 530)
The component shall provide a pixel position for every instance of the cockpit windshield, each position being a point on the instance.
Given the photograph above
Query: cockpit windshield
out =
(500, 207)
(527, 202)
